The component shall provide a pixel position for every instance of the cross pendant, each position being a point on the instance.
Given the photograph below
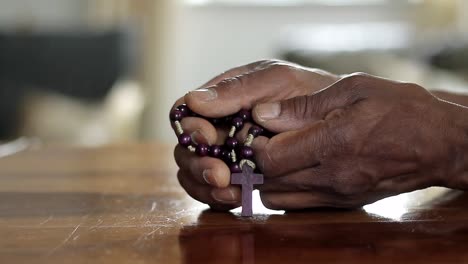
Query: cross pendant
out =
(247, 179)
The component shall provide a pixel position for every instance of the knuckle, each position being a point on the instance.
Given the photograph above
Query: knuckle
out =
(416, 90)
(355, 80)
(358, 76)
(353, 87)
(231, 82)
(234, 85)
(265, 64)
(286, 71)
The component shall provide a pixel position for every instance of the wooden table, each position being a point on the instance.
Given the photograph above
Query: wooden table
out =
(122, 204)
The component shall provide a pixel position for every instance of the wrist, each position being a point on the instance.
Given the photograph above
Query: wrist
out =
(461, 99)
(457, 142)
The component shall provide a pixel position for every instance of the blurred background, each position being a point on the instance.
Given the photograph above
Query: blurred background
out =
(94, 72)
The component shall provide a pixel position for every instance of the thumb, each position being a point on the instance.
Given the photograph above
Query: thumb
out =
(269, 81)
(301, 111)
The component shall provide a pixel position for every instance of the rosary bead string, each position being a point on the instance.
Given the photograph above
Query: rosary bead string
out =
(232, 131)
(233, 156)
(178, 127)
(248, 162)
(248, 141)
(228, 151)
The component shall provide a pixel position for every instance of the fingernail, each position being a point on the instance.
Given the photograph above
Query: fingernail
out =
(268, 111)
(223, 195)
(209, 177)
(198, 137)
(204, 94)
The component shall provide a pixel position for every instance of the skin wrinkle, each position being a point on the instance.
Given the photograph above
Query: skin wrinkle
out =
(285, 93)
(375, 133)
(306, 180)
(359, 149)
(406, 183)
(372, 134)
(455, 151)
(369, 173)
(305, 114)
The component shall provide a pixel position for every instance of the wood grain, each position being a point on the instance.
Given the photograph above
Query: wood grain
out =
(122, 204)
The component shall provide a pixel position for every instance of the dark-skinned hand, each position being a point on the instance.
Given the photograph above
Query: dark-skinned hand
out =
(341, 141)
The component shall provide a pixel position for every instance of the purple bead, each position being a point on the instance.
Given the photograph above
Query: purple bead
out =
(194, 114)
(176, 115)
(235, 168)
(244, 114)
(202, 150)
(246, 152)
(185, 140)
(184, 110)
(237, 122)
(268, 134)
(216, 121)
(227, 119)
(255, 130)
(231, 143)
(215, 151)
(226, 155)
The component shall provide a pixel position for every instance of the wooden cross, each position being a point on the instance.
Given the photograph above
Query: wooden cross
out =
(247, 179)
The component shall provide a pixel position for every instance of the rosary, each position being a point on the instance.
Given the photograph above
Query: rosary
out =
(238, 156)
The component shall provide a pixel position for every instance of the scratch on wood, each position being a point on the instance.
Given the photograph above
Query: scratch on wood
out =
(140, 242)
(100, 221)
(47, 220)
(64, 241)
(153, 206)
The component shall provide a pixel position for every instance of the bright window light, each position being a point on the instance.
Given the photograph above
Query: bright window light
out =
(300, 2)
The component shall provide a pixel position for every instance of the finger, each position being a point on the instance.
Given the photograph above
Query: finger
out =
(307, 200)
(315, 179)
(178, 102)
(240, 70)
(301, 111)
(222, 135)
(204, 170)
(234, 72)
(225, 75)
(294, 150)
(296, 200)
(201, 130)
(229, 196)
(242, 134)
(243, 91)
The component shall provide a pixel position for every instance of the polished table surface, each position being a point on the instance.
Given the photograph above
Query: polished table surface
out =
(123, 204)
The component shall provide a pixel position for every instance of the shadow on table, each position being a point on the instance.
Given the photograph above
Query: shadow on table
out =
(438, 233)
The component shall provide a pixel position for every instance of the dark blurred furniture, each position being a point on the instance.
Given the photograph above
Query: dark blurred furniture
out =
(82, 65)
(452, 58)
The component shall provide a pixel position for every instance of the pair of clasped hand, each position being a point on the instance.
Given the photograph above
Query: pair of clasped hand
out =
(340, 141)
